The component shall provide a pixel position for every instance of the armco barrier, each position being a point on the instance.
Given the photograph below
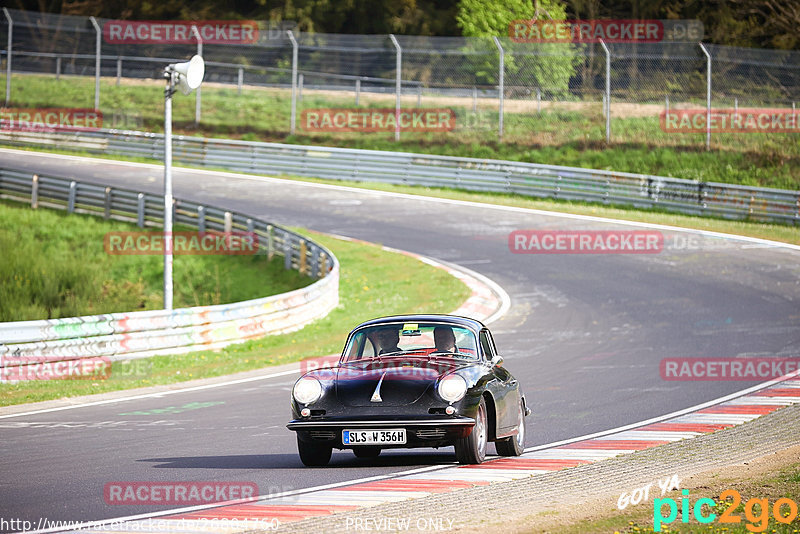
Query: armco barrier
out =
(531, 179)
(146, 333)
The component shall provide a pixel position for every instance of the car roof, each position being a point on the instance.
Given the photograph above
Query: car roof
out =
(455, 320)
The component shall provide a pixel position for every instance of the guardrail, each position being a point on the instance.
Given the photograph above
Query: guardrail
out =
(530, 179)
(147, 333)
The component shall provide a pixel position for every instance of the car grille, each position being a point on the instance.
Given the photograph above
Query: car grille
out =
(322, 434)
(430, 433)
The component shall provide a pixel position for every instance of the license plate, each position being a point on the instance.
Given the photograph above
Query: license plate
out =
(393, 436)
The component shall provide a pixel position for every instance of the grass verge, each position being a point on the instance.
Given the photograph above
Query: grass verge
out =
(56, 266)
(568, 133)
(373, 283)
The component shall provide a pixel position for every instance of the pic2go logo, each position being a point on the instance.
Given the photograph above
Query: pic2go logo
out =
(758, 520)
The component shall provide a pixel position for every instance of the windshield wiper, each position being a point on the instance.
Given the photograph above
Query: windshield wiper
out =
(446, 354)
(395, 353)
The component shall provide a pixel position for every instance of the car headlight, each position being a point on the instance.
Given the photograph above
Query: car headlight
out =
(452, 388)
(307, 390)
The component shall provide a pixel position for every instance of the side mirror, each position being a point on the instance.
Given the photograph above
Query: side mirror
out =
(497, 361)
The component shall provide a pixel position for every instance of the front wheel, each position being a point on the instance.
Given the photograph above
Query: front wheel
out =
(515, 445)
(472, 449)
(314, 454)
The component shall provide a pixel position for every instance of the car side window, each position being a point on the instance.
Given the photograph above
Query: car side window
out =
(360, 347)
(369, 349)
(487, 344)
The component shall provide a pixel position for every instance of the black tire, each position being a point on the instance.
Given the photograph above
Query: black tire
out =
(314, 454)
(515, 445)
(472, 449)
(367, 452)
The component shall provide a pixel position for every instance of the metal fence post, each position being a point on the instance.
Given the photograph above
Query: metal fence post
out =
(8, 54)
(201, 219)
(474, 99)
(73, 189)
(98, 35)
(107, 204)
(300, 87)
(294, 80)
(240, 80)
(58, 68)
(358, 89)
(502, 71)
(119, 69)
(270, 243)
(198, 96)
(35, 191)
(708, 96)
(398, 85)
(608, 91)
(140, 210)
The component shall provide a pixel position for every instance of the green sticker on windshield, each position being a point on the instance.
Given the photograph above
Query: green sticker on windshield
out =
(411, 329)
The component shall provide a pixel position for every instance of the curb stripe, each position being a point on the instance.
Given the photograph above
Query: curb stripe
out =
(706, 418)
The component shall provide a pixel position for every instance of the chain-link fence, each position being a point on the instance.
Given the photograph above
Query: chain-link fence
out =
(337, 87)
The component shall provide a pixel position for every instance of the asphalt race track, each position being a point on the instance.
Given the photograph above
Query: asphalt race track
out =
(584, 335)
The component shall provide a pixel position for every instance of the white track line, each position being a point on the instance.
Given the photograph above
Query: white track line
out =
(155, 394)
(420, 197)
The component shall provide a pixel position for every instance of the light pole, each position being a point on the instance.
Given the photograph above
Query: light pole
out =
(187, 77)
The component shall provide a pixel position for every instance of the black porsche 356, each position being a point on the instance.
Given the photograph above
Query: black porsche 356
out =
(411, 381)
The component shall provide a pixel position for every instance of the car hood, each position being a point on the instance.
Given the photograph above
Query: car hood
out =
(402, 382)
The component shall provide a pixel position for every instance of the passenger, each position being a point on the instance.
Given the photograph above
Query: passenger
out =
(444, 339)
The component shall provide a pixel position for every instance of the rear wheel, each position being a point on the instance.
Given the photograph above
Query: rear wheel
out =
(472, 449)
(314, 454)
(515, 445)
(367, 452)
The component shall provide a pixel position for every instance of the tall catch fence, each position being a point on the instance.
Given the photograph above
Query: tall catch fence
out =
(499, 89)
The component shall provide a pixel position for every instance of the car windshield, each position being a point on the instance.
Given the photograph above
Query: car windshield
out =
(432, 340)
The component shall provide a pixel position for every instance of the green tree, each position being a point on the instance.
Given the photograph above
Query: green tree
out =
(548, 66)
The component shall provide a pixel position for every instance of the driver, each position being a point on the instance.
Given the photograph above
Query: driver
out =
(444, 339)
(388, 340)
